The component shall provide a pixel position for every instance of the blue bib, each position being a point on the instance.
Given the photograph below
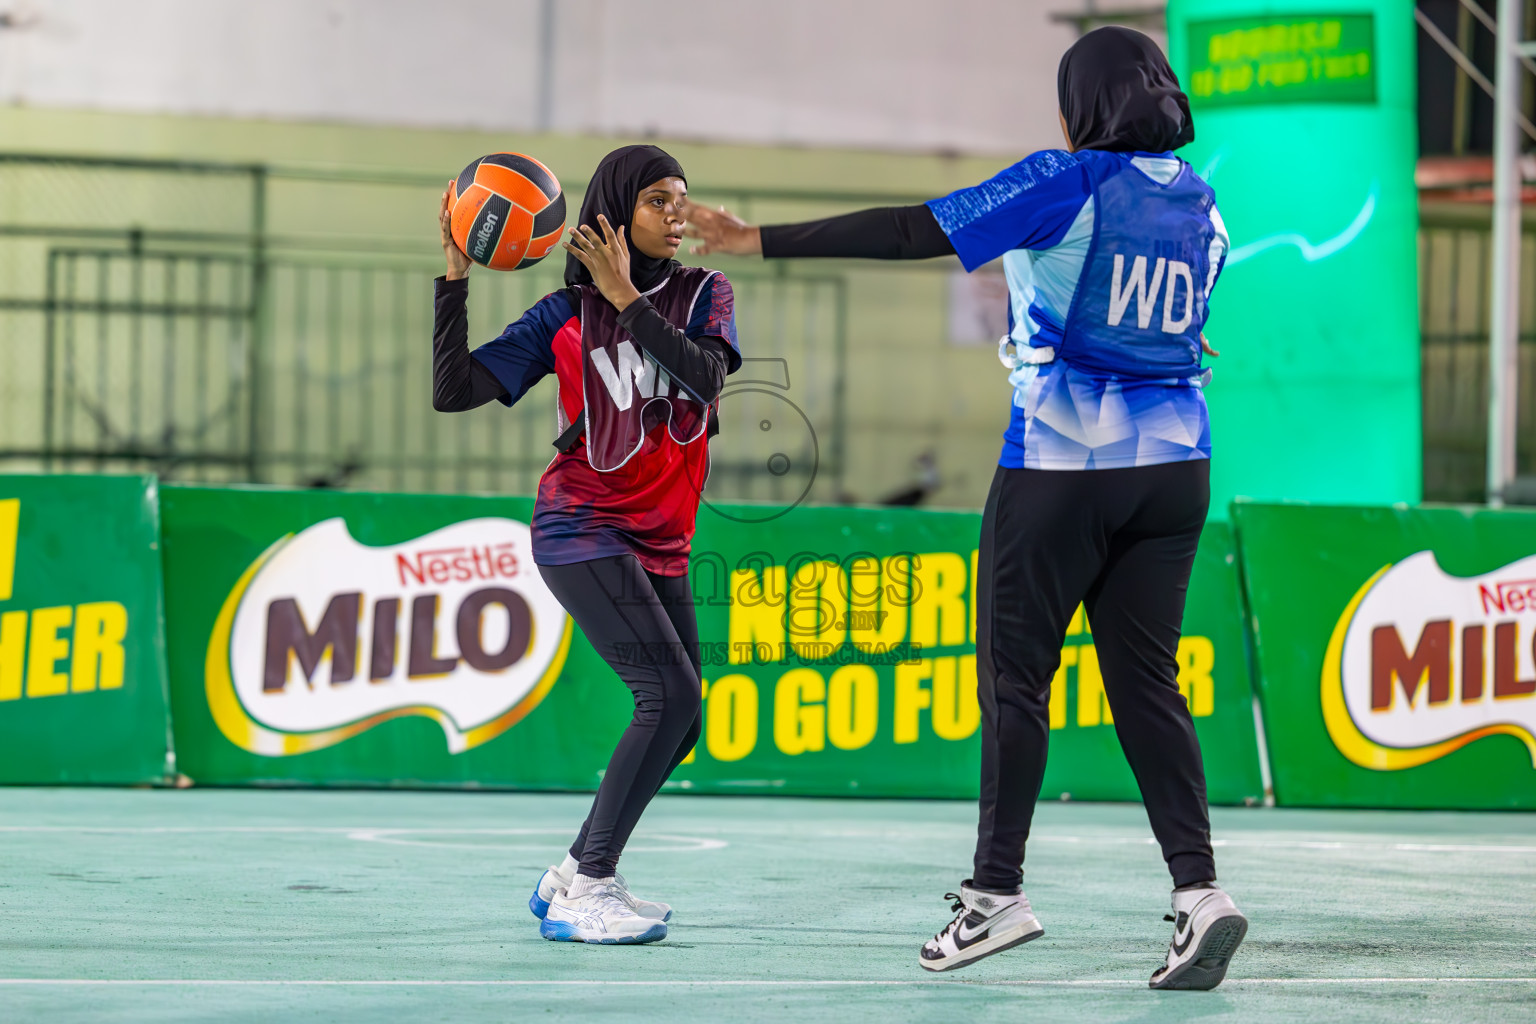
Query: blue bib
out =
(1140, 302)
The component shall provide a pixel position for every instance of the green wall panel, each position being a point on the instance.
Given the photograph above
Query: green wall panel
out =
(1305, 125)
(82, 653)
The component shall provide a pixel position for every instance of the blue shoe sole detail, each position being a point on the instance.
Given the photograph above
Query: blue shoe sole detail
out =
(538, 907)
(560, 931)
(655, 933)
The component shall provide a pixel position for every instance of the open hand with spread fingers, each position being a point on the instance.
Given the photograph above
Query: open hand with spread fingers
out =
(721, 231)
(606, 256)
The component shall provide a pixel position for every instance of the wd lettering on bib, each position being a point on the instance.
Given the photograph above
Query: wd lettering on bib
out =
(1166, 275)
(1141, 300)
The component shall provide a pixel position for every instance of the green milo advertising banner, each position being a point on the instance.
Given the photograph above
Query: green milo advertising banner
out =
(82, 656)
(330, 638)
(1396, 653)
(323, 638)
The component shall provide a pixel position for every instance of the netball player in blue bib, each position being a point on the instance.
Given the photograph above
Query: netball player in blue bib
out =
(1111, 248)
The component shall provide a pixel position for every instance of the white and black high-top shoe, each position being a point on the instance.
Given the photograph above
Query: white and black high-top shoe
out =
(985, 923)
(1207, 929)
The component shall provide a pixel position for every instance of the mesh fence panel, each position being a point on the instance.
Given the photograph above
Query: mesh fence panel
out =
(1454, 280)
(228, 323)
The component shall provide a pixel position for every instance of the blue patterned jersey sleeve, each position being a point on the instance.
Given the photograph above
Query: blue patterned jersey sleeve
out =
(714, 316)
(523, 353)
(1027, 206)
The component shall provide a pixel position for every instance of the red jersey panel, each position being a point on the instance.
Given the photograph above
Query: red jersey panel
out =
(650, 432)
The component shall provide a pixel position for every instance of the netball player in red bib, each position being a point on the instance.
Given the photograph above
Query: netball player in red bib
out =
(641, 347)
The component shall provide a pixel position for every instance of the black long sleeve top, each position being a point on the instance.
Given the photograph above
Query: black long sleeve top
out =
(882, 233)
(459, 382)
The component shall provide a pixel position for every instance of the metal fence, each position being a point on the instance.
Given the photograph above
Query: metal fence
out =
(1454, 253)
(227, 323)
(318, 373)
(230, 323)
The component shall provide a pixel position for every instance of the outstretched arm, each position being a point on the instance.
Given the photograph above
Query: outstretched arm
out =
(1030, 205)
(882, 233)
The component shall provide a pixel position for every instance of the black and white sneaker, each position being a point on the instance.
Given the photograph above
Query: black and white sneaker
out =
(985, 923)
(1207, 929)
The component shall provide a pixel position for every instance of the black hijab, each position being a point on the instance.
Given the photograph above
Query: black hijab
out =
(612, 192)
(1118, 93)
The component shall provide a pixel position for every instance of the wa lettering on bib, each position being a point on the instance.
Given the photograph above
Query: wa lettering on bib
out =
(625, 393)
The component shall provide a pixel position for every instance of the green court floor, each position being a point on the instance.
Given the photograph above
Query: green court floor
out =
(296, 906)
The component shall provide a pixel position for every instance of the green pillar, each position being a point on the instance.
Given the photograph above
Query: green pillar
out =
(1305, 125)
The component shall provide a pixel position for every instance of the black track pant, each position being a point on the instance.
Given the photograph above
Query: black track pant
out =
(645, 628)
(1121, 542)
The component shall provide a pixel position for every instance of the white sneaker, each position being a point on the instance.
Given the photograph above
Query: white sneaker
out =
(552, 881)
(1207, 929)
(645, 908)
(599, 915)
(985, 923)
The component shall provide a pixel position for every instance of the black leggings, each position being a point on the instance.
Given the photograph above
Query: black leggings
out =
(1121, 542)
(645, 628)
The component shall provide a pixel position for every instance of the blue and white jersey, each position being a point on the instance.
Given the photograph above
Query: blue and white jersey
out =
(1110, 260)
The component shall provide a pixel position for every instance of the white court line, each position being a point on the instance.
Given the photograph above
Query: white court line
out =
(1299, 844)
(722, 983)
(393, 836)
(401, 837)
(386, 834)
(173, 829)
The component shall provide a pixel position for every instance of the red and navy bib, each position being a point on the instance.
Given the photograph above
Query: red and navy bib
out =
(616, 386)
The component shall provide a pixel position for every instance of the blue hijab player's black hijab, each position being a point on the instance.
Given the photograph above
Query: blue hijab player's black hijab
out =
(1118, 93)
(612, 192)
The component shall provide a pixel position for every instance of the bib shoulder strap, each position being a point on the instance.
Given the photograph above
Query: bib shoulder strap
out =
(566, 442)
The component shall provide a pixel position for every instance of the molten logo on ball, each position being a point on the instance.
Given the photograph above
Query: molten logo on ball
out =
(507, 211)
(483, 238)
(324, 638)
(1422, 663)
